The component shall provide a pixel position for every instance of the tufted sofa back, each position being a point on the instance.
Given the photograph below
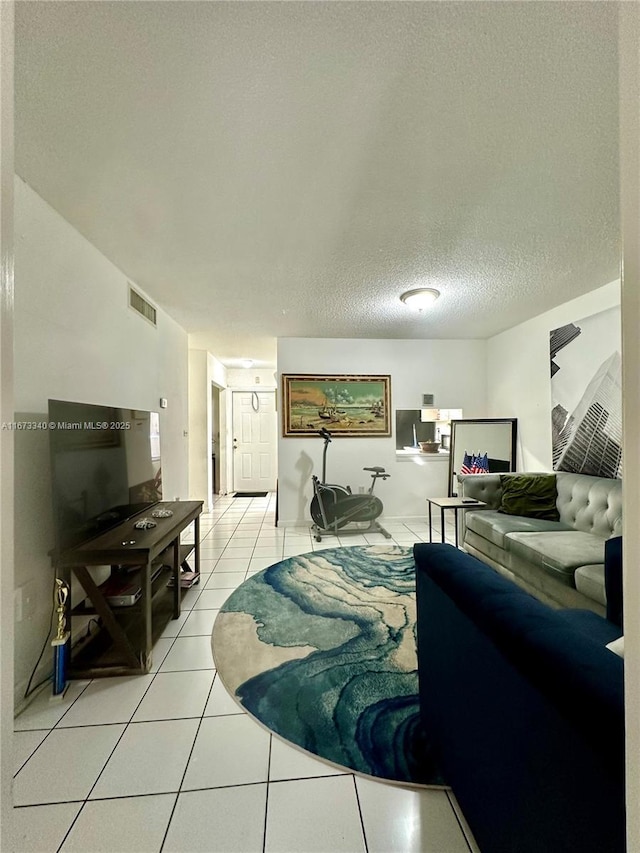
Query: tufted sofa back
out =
(590, 504)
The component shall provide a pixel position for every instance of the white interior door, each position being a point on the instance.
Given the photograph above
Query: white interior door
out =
(254, 441)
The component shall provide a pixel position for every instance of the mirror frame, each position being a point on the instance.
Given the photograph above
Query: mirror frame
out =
(452, 449)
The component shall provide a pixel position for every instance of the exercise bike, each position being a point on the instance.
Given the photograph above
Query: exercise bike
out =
(333, 507)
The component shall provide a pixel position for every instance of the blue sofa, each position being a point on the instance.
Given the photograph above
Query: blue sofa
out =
(523, 705)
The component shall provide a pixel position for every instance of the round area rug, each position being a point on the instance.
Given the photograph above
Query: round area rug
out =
(321, 649)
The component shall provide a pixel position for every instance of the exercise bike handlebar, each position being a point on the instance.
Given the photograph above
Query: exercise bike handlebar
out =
(377, 471)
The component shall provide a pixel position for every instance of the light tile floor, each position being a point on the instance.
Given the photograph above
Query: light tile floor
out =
(169, 762)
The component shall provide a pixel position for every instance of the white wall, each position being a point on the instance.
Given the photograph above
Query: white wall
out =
(7, 759)
(518, 367)
(217, 377)
(630, 210)
(252, 378)
(200, 442)
(206, 371)
(454, 371)
(77, 339)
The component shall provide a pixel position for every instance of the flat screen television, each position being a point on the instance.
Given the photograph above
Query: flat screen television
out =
(105, 467)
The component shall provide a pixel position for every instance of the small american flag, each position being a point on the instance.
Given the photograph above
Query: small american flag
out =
(466, 464)
(480, 464)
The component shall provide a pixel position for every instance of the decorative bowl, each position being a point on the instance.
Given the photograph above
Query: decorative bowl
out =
(429, 446)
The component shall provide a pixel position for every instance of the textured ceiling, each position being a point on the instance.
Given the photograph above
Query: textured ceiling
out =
(266, 169)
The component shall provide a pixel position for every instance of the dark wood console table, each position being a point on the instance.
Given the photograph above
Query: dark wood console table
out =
(143, 558)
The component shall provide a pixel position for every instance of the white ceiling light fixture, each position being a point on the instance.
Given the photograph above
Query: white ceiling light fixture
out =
(420, 298)
(247, 363)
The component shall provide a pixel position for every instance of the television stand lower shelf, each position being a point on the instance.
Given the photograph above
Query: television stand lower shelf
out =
(143, 593)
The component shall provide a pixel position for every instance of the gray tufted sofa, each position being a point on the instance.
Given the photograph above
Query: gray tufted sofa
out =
(560, 562)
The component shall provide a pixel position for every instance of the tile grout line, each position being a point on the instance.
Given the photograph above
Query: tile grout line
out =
(266, 799)
(71, 825)
(186, 766)
(126, 726)
(193, 745)
(86, 799)
(364, 832)
(49, 730)
(31, 754)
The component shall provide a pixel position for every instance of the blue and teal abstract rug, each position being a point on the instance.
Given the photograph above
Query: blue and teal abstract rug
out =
(321, 649)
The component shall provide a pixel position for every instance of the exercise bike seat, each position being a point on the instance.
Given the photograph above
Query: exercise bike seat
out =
(376, 468)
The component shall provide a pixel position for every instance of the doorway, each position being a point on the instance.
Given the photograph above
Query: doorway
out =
(254, 441)
(215, 440)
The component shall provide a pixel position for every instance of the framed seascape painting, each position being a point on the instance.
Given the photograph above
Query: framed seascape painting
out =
(345, 405)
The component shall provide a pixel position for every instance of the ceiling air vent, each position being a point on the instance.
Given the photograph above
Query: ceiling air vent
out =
(139, 304)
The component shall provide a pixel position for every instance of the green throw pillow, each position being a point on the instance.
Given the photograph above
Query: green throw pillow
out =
(532, 495)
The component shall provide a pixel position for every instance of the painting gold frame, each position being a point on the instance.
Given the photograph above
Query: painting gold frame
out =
(347, 405)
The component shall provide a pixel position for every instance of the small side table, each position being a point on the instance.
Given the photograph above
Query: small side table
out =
(451, 503)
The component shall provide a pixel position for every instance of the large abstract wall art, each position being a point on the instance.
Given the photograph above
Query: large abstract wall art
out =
(586, 395)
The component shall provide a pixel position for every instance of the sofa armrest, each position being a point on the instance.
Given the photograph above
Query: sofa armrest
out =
(613, 579)
(482, 487)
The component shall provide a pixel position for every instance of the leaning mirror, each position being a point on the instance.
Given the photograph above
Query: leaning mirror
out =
(487, 444)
